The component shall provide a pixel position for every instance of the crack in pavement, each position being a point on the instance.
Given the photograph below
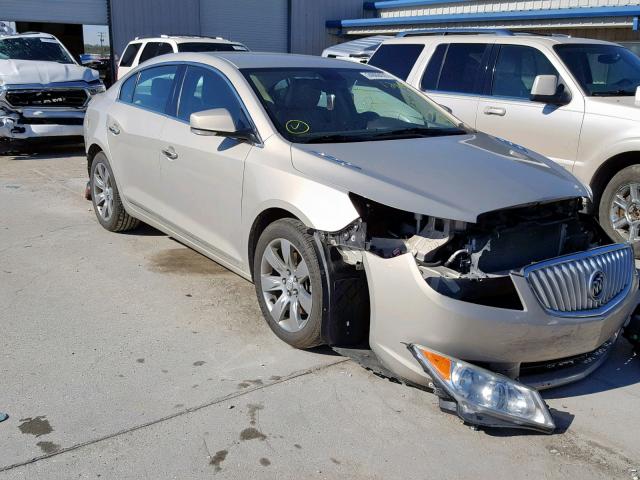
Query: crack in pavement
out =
(186, 411)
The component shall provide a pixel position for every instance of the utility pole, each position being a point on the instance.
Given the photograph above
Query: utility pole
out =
(101, 36)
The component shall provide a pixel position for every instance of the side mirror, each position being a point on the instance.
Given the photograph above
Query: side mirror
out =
(545, 90)
(218, 122)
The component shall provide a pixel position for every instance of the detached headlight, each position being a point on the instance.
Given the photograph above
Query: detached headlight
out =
(99, 88)
(483, 397)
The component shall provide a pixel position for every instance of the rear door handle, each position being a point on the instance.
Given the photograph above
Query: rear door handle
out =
(113, 128)
(170, 153)
(495, 111)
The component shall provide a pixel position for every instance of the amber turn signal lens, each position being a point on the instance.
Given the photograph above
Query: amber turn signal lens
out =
(440, 363)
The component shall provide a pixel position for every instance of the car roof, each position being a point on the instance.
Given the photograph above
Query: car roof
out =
(242, 60)
(519, 39)
(28, 35)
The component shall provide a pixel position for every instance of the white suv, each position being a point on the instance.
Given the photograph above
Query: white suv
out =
(142, 49)
(570, 99)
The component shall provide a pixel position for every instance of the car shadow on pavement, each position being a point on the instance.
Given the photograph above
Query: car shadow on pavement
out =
(44, 151)
(621, 369)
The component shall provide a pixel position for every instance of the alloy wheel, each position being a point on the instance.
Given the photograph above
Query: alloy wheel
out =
(625, 212)
(285, 284)
(103, 191)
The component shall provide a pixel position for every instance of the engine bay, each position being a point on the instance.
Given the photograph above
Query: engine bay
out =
(471, 261)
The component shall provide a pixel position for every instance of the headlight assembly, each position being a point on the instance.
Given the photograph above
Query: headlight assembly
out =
(95, 89)
(485, 398)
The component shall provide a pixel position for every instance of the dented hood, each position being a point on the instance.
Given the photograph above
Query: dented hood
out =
(28, 72)
(455, 177)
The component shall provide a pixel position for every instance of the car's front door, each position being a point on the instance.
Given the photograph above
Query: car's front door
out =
(454, 77)
(202, 175)
(552, 130)
(134, 126)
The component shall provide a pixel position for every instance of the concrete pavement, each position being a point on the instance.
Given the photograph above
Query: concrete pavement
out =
(131, 356)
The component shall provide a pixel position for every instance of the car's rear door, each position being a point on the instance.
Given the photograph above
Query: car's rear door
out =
(202, 174)
(134, 124)
(507, 111)
(454, 77)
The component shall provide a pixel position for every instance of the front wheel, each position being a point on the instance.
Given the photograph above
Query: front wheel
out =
(289, 284)
(619, 209)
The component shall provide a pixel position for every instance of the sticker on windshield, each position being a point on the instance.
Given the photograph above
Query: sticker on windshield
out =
(377, 76)
(297, 127)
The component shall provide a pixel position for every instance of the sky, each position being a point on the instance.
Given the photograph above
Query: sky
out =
(91, 34)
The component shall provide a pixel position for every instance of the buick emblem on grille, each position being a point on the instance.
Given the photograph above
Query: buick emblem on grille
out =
(597, 282)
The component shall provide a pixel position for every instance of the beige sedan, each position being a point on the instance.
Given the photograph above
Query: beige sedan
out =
(368, 216)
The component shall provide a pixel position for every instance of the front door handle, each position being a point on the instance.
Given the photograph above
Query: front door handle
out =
(170, 153)
(495, 111)
(113, 128)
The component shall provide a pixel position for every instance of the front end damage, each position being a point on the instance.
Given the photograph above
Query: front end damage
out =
(39, 111)
(486, 313)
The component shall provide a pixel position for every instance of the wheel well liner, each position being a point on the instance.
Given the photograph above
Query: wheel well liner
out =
(91, 154)
(262, 221)
(608, 169)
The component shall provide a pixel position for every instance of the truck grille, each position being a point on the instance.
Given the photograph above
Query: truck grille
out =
(69, 98)
(583, 284)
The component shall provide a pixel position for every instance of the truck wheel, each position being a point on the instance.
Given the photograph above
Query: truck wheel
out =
(289, 283)
(619, 209)
(105, 197)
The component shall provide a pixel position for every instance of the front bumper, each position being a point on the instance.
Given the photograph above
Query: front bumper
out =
(405, 309)
(37, 123)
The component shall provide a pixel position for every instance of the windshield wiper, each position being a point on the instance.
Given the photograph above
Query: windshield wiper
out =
(614, 93)
(418, 132)
(335, 138)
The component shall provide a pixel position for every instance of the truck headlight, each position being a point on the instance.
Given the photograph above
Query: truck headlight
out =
(484, 397)
(95, 89)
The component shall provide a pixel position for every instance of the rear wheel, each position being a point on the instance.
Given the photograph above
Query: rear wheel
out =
(289, 284)
(105, 197)
(619, 210)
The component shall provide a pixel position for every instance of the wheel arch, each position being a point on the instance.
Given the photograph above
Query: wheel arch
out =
(608, 169)
(92, 151)
(262, 221)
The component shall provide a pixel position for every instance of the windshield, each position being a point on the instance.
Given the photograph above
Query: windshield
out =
(33, 48)
(602, 70)
(211, 47)
(344, 105)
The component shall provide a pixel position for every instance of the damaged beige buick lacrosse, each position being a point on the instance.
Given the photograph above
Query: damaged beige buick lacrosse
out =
(369, 217)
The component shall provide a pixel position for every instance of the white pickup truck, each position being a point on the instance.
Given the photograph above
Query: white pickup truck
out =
(43, 91)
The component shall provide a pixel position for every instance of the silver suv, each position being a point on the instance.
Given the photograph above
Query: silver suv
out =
(570, 99)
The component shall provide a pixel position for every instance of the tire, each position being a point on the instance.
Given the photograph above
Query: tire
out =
(621, 186)
(289, 300)
(105, 197)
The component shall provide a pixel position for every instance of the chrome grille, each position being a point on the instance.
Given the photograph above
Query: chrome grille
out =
(68, 98)
(583, 284)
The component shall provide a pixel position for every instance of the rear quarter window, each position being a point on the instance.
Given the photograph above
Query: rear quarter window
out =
(129, 54)
(397, 59)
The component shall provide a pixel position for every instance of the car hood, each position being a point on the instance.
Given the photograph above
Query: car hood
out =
(620, 107)
(23, 72)
(455, 177)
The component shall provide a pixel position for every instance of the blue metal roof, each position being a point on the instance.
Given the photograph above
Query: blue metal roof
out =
(586, 12)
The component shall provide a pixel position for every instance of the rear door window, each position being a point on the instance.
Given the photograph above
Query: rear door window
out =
(155, 88)
(456, 68)
(153, 49)
(129, 54)
(397, 59)
(126, 91)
